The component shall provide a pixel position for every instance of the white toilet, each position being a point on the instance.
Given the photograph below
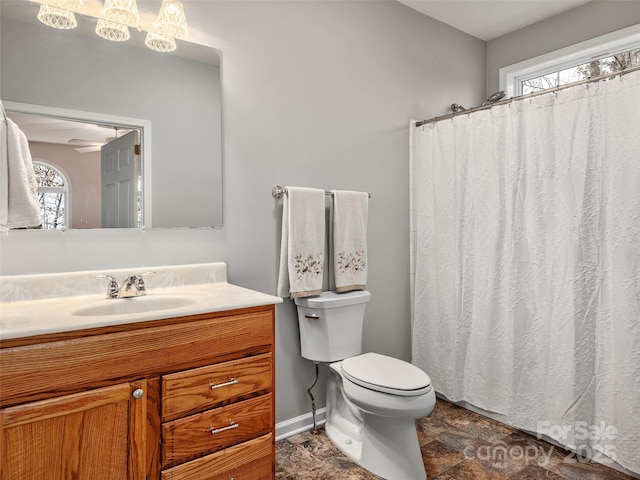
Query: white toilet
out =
(372, 400)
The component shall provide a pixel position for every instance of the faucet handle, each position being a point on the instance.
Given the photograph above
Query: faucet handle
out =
(139, 283)
(112, 287)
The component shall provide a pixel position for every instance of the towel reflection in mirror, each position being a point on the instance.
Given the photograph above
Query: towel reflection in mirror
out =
(19, 206)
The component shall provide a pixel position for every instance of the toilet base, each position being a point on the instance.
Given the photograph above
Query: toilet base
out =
(385, 446)
(351, 448)
(389, 448)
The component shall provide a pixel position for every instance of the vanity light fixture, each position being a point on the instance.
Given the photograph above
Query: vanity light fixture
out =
(58, 14)
(122, 11)
(171, 19)
(115, 32)
(117, 16)
(171, 24)
(160, 43)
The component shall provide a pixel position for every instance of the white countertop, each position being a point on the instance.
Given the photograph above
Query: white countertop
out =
(25, 315)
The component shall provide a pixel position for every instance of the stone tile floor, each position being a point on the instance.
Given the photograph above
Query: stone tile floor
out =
(456, 445)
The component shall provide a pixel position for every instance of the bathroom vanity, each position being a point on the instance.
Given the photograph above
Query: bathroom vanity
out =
(180, 393)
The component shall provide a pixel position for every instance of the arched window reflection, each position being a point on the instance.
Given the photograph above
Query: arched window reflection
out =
(53, 195)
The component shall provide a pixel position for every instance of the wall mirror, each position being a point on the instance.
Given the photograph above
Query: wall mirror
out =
(172, 102)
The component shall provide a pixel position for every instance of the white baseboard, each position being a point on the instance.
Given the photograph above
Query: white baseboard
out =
(299, 424)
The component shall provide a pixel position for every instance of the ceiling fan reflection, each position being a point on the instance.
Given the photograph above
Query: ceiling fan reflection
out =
(88, 146)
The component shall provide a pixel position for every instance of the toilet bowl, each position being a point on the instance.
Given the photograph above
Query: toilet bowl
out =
(386, 386)
(375, 428)
(373, 400)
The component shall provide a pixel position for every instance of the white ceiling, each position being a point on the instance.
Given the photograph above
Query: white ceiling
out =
(489, 19)
(65, 132)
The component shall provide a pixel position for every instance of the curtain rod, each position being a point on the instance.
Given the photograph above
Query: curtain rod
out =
(278, 192)
(529, 95)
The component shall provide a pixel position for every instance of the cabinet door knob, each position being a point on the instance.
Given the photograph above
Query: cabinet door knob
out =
(138, 393)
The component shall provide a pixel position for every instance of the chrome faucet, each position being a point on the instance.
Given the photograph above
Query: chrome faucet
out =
(133, 286)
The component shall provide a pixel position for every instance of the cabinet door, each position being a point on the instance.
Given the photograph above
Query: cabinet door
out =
(97, 434)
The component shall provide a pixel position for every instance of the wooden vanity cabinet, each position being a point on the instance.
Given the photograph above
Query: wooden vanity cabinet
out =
(176, 399)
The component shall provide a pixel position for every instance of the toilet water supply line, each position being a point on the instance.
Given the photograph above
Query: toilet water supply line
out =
(315, 430)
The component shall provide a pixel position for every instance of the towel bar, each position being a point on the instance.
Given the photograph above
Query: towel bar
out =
(278, 192)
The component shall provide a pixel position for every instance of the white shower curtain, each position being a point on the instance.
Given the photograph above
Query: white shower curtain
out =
(526, 297)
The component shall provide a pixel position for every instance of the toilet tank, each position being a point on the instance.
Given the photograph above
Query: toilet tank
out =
(331, 325)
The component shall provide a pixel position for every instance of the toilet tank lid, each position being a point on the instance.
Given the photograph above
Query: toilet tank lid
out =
(375, 370)
(333, 299)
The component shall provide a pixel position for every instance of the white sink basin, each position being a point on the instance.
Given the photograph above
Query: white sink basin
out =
(128, 306)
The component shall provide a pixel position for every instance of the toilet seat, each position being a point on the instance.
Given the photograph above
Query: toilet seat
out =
(386, 374)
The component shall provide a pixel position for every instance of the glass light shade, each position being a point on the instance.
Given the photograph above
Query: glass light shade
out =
(159, 42)
(122, 11)
(57, 17)
(116, 32)
(171, 19)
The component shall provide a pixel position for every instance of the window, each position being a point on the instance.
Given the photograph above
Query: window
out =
(53, 195)
(594, 68)
(609, 53)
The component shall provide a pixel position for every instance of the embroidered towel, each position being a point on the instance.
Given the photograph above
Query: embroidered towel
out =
(349, 240)
(302, 243)
(19, 205)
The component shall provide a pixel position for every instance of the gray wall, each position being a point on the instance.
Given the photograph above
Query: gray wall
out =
(574, 26)
(315, 94)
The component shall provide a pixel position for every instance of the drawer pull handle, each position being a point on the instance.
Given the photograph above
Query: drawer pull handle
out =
(232, 381)
(313, 316)
(231, 426)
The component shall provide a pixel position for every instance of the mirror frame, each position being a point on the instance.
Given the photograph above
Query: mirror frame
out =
(92, 117)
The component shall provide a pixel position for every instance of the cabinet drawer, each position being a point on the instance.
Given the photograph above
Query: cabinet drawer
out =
(193, 436)
(203, 388)
(250, 460)
(149, 350)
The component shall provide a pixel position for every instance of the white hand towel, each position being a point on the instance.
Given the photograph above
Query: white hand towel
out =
(302, 243)
(349, 239)
(19, 205)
